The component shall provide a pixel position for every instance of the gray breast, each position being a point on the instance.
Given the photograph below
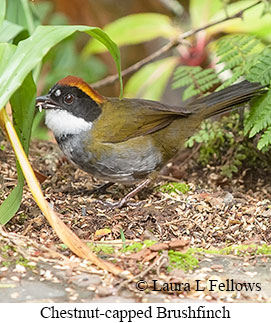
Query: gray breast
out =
(118, 164)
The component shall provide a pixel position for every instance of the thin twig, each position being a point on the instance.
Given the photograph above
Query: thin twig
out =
(133, 68)
(239, 14)
(166, 48)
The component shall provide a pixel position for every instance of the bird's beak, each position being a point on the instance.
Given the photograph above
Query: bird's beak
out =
(45, 102)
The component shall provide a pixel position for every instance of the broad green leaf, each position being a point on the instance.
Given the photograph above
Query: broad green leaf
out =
(23, 108)
(22, 13)
(9, 30)
(150, 81)
(15, 64)
(6, 51)
(30, 52)
(23, 105)
(12, 203)
(134, 29)
(15, 13)
(202, 10)
(2, 10)
(253, 21)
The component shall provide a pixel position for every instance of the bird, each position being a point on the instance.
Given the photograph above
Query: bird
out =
(128, 140)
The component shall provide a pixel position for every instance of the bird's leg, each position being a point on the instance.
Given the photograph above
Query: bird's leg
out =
(125, 199)
(131, 194)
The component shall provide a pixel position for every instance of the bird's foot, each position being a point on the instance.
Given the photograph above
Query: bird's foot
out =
(126, 198)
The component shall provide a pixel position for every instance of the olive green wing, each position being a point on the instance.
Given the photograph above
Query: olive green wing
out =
(129, 118)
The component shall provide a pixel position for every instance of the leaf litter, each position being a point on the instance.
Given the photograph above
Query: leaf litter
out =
(215, 213)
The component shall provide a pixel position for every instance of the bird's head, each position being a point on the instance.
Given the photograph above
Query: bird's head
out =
(71, 106)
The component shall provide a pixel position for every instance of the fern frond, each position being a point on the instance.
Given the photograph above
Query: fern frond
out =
(234, 50)
(259, 116)
(261, 70)
(243, 55)
(265, 139)
(199, 81)
(236, 53)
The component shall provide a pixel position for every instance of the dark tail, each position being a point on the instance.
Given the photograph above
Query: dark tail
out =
(227, 99)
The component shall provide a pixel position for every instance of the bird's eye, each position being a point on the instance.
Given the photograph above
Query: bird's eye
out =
(68, 99)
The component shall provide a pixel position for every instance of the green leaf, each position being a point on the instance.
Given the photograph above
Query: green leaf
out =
(8, 31)
(150, 81)
(12, 203)
(2, 11)
(23, 105)
(23, 109)
(31, 51)
(202, 10)
(16, 64)
(134, 29)
(6, 51)
(15, 13)
(20, 13)
(253, 21)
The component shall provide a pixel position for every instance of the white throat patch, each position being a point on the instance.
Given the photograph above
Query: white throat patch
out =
(62, 123)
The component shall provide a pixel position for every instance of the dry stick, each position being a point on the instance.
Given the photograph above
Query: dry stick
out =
(175, 42)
